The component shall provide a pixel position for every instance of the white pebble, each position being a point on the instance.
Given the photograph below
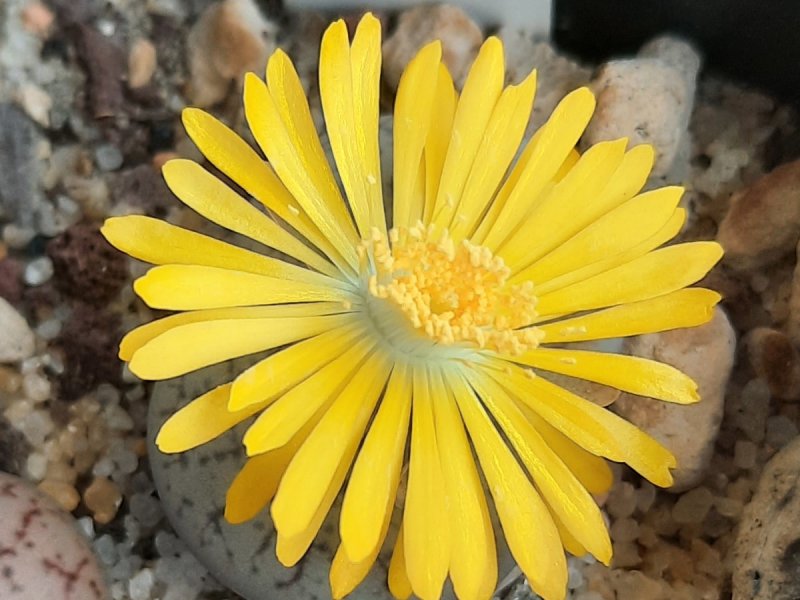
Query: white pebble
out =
(38, 271)
(49, 329)
(141, 584)
(36, 466)
(36, 387)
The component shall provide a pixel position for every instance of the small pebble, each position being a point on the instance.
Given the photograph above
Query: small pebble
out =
(693, 506)
(38, 271)
(103, 498)
(141, 63)
(17, 341)
(744, 454)
(622, 500)
(108, 157)
(64, 494)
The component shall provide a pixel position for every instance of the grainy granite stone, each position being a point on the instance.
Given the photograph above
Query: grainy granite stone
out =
(42, 553)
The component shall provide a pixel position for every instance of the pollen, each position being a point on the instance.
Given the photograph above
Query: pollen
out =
(455, 293)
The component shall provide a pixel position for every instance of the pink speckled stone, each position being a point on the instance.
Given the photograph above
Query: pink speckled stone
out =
(42, 553)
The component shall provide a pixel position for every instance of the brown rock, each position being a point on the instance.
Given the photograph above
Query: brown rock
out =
(90, 339)
(793, 323)
(144, 187)
(763, 223)
(706, 354)
(11, 279)
(104, 63)
(86, 266)
(766, 554)
(103, 498)
(460, 36)
(230, 39)
(776, 361)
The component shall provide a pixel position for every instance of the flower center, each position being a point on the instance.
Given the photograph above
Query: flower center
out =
(456, 294)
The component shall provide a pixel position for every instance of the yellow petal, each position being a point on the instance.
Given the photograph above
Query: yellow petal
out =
(314, 467)
(201, 191)
(629, 177)
(659, 272)
(627, 373)
(474, 110)
(281, 122)
(594, 428)
(136, 338)
(234, 157)
(282, 370)
(593, 170)
(413, 107)
(345, 573)
(203, 419)
(307, 477)
(497, 149)
(473, 560)
(568, 540)
(256, 484)
(349, 84)
(399, 585)
(425, 523)
(553, 144)
(522, 512)
(287, 415)
(439, 136)
(373, 483)
(195, 287)
(688, 307)
(567, 498)
(625, 227)
(591, 470)
(670, 229)
(196, 345)
(160, 243)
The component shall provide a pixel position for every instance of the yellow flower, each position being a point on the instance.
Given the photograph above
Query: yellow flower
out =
(423, 333)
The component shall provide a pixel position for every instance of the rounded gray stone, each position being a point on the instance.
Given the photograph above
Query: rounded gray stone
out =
(192, 487)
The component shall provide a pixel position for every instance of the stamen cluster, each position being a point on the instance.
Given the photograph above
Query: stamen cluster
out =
(455, 293)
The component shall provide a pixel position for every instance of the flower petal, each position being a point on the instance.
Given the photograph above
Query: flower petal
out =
(438, 140)
(161, 243)
(474, 110)
(288, 413)
(632, 374)
(202, 420)
(627, 180)
(331, 445)
(195, 287)
(413, 109)
(276, 373)
(659, 272)
(281, 122)
(497, 149)
(399, 585)
(349, 82)
(195, 345)
(567, 498)
(522, 512)
(234, 157)
(473, 560)
(591, 470)
(593, 171)
(627, 226)
(596, 429)
(373, 483)
(136, 338)
(256, 484)
(426, 534)
(683, 308)
(670, 229)
(201, 191)
(539, 163)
